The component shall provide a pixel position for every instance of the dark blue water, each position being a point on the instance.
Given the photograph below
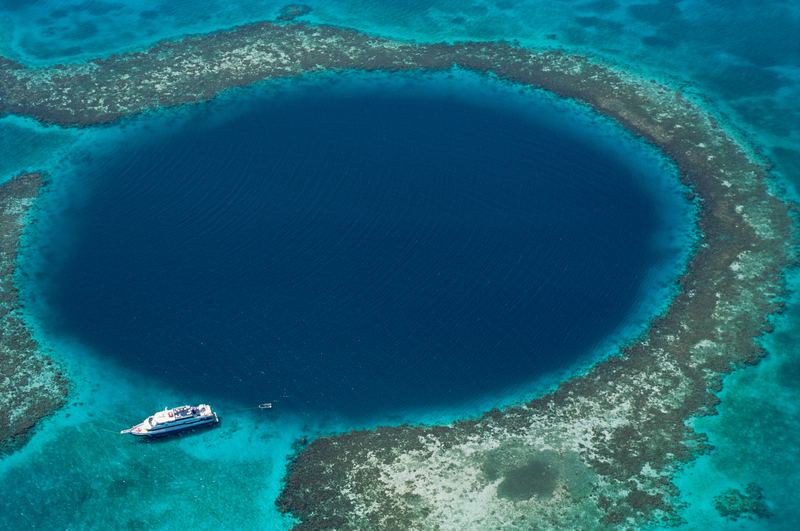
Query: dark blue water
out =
(355, 254)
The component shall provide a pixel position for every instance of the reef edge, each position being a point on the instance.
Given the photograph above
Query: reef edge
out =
(32, 384)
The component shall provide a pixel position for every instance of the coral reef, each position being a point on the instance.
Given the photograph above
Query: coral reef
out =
(31, 384)
(292, 11)
(732, 504)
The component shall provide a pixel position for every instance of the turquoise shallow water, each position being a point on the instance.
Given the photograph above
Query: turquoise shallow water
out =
(742, 56)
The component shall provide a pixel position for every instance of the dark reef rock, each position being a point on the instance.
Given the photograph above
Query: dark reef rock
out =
(292, 11)
(600, 451)
(732, 504)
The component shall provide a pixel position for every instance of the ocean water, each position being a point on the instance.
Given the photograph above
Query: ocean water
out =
(742, 57)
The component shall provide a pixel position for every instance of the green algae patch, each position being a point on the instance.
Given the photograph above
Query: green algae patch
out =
(31, 384)
(599, 452)
(522, 474)
(535, 478)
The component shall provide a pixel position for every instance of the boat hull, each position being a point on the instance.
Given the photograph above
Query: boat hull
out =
(140, 431)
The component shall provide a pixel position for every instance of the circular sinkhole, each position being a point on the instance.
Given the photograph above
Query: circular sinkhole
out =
(353, 250)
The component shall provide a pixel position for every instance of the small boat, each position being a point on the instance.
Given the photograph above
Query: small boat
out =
(173, 420)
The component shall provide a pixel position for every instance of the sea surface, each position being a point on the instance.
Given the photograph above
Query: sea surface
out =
(371, 249)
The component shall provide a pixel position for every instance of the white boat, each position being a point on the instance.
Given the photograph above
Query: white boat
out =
(175, 419)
